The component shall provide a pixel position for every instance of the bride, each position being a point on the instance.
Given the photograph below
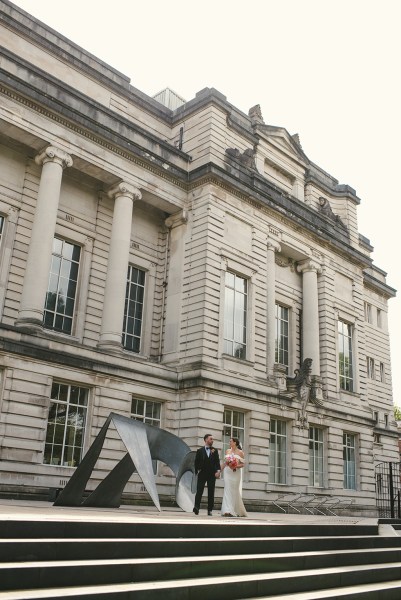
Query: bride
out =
(232, 505)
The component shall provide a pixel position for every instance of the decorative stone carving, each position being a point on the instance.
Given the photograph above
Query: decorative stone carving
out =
(124, 189)
(246, 159)
(53, 154)
(255, 114)
(326, 210)
(308, 389)
(285, 261)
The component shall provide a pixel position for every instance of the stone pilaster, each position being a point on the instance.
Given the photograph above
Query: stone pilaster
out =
(177, 224)
(53, 161)
(310, 269)
(124, 196)
(272, 248)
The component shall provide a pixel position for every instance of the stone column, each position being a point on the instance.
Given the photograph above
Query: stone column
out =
(310, 312)
(177, 227)
(37, 271)
(124, 196)
(272, 248)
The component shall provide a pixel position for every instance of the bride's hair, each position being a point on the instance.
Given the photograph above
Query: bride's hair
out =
(236, 440)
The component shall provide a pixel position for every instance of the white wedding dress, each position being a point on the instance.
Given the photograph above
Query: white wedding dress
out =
(232, 498)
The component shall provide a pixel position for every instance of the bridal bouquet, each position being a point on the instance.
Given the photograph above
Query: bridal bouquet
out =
(232, 462)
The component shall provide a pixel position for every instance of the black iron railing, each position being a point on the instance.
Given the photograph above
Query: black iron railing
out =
(388, 490)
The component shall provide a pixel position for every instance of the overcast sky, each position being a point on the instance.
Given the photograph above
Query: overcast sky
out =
(329, 71)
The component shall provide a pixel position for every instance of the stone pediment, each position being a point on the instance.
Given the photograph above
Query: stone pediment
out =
(281, 139)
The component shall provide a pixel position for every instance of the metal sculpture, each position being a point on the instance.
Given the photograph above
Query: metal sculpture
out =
(144, 443)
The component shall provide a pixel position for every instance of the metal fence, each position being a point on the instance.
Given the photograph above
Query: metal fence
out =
(388, 490)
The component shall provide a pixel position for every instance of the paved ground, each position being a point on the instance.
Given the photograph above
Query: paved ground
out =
(25, 510)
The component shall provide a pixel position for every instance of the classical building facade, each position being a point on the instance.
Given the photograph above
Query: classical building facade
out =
(188, 266)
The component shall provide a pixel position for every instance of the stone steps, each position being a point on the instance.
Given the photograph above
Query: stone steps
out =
(188, 560)
(236, 587)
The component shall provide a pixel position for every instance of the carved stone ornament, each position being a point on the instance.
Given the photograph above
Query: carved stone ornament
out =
(326, 210)
(285, 261)
(53, 154)
(246, 159)
(308, 390)
(255, 114)
(124, 189)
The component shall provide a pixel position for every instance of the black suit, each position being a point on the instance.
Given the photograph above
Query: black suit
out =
(206, 469)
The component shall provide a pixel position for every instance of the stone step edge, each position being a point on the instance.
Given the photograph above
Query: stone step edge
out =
(83, 591)
(187, 559)
(349, 592)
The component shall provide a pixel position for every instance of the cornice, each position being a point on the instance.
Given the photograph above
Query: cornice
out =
(378, 286)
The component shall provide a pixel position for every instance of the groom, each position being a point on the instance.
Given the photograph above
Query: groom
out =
(207, 468)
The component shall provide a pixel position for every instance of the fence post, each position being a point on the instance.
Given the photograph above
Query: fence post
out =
(391, 483)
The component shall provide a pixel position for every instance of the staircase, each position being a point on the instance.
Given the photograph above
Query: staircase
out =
(194, 559)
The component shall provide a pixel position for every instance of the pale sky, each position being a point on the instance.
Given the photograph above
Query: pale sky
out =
(326, 70)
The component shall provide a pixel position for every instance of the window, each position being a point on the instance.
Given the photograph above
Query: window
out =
(278, 451)
(382, 373)
(66, 425)
(62, 288)
(316, 472)
(345, 356)
(147, 411)
(235, 312)
(133, 310)
(282, 332)
(1, 227)
(368, 312)
(376, 416)
(233, 426)
(386, 420)
(379, 318)
(370, 367)
(349, 460)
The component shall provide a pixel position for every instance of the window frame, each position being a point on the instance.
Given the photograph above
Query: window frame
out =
(274, 467)
(68, 404)
(346, 383)
(279, 336)
(350, 450)
(234, 429)
(316, 476)
(370, 367)
(129, 284)
(243, 324)
(55, 313)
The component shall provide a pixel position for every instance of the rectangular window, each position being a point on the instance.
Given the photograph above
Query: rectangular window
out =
(379, 318)
(349, 460)
(235, 313)
(133, 310)
(1, 227)
(278, 451)
(345, 359)
(376, 416)
(66, 425)
(147, 411)
(368, 312)
(62, 288)
(382, 373)
(370, 367)
(316, 467)
(233, 426)
(282, 334)
(386, 420)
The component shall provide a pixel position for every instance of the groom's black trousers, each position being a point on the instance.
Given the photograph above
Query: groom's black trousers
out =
(210, 480)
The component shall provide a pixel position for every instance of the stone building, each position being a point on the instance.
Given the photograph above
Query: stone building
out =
(188, 266)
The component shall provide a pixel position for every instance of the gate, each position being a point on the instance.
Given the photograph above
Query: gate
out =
(388, 490)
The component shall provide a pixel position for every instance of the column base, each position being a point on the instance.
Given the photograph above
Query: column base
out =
(110, 346)
(30, 325)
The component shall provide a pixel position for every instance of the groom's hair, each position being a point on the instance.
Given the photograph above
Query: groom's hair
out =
(206, 436)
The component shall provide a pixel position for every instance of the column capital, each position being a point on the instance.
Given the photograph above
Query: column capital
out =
(309, 265)
(124, 189)
(273, 245)
(54, 154)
